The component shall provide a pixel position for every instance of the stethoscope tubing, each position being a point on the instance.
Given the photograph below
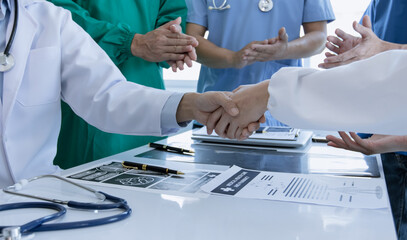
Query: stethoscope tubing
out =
(30, 226)
(39, 224)
(86, 223)
(13, 31)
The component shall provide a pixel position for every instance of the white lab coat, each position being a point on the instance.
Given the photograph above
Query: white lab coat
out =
(367, 96)
(55, 59)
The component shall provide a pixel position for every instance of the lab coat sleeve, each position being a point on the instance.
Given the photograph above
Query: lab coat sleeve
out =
(115, 39)
(96, 90)
(365, 96)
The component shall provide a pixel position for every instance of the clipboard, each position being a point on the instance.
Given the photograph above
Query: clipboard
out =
(268, 139)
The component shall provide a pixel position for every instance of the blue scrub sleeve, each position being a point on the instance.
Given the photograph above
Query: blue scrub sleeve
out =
(197, 12)
(318, 10)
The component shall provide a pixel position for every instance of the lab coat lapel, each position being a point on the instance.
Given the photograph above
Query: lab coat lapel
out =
(20, 50)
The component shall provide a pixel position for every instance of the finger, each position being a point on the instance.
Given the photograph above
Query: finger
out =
(226, 102)
(176, 48)
(188, 61)
(239, 134)
(232, 129)
(168, 25)
(328, 54)
(363, 143)
(337, 64)
(362, 30)
(180, 65)
(222, 125)
(173, 65)
(366, 22)
(339, 143)
(213, 120)
(272, 40)
(333, 48)
(335, 41)
(342, 34)
(261, 120)
(352, 145)
(252, 127)
(192, 54)
(344, 57)
(172, 57)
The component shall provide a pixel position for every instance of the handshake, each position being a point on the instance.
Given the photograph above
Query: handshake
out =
(234, 115)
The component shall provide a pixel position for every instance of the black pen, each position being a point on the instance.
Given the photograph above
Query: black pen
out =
(169, 148)
(145, 167)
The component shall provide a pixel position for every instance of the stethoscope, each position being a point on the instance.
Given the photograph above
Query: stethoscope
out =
(40, 224)
(264, 5)
(6, 59)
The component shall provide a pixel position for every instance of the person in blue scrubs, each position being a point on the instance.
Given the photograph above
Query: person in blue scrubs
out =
(389, 18)
(388, 22)
(248, 42)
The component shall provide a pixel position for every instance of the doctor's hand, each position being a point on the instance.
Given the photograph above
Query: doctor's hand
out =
(274, 49)
(348, 48)
(199, 106)
(252, 103)
(166, 43)
(372, 145)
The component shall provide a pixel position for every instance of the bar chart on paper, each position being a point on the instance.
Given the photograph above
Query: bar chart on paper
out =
(316, 189)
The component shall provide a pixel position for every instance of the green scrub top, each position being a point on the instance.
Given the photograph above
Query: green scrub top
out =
(112, 24)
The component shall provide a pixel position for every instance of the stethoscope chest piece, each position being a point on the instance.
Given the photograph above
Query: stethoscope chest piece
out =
(265, 5)
(6, 62)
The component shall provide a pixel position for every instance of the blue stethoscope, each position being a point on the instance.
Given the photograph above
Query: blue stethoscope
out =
(264, 5)
(40, 225)
(6, 59)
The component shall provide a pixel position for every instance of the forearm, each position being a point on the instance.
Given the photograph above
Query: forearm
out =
(310, 44)
(336, 99)
(213, 56)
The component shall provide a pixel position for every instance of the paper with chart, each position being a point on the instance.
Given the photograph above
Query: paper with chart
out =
(305, 188)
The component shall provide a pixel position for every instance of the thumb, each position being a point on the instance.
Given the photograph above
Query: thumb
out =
(223, 99)
(282, 34)
(366, 22)
(174, 22)
(362, 30)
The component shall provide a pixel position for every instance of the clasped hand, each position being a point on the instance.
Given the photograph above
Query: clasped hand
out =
(251, 100)
(166, 43)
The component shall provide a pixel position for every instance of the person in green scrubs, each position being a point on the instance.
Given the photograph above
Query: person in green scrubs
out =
(124, 29)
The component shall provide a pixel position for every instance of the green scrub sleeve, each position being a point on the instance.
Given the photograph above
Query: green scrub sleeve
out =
(170, 10)
(114, 39)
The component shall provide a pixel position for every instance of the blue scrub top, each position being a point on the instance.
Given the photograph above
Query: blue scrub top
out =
(244, 22)
(389, 18)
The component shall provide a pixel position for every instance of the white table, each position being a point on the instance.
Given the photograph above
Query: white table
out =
(176, 216)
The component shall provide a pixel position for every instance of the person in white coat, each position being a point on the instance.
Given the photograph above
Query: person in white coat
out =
(365, 96)
(55, 59)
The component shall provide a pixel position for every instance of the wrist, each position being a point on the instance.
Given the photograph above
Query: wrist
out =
(263, 94)
(232, 59)
(135, 45)
(186, 107)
